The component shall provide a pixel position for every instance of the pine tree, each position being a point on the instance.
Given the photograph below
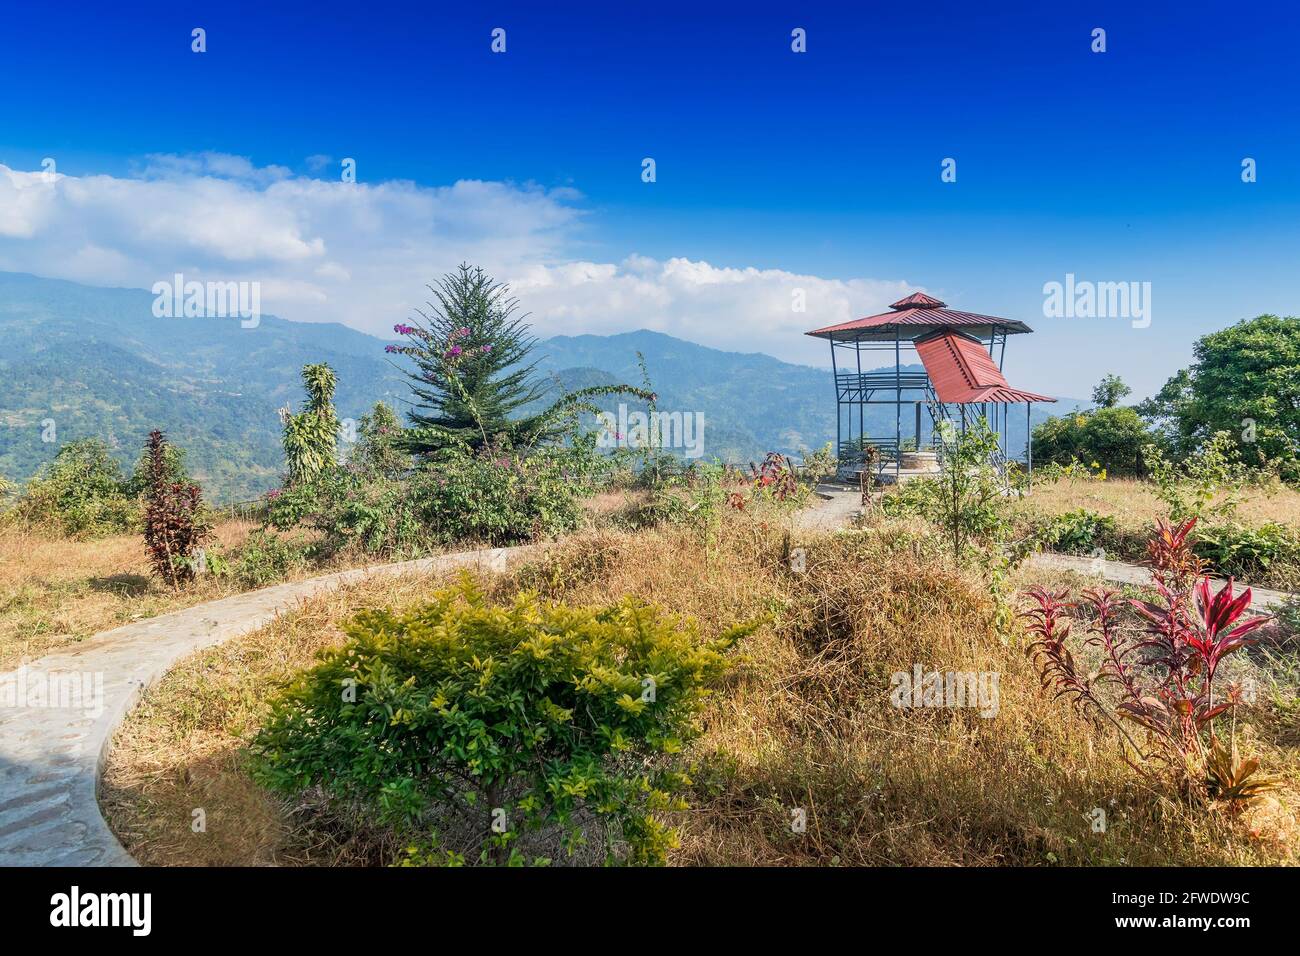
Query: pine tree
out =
(472, 372)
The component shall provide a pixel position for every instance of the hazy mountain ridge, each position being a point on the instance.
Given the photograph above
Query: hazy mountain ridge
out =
(98, 363)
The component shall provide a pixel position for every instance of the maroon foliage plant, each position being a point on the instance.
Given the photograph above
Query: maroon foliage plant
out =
(1158, 665)
(174, 528)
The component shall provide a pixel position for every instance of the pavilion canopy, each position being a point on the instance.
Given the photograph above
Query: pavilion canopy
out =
(914, 316)
(962, 371)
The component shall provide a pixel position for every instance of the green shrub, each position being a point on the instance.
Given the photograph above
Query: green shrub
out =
(379, 451)
(1207, 484)
(499, 734)
(1074, 470)
(818, 465)
(353, 512)
(918, 497)
(1288, 616)
(697, 496)
(499, 498)
(264, 558)
(968, 498)
(1242, 552)
(1078, 531)
(488, 497)
(80, 493)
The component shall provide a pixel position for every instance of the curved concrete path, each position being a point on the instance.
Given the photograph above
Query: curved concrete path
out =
(58, 713)
(1262, 600)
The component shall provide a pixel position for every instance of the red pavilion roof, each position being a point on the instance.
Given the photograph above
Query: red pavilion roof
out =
(915, 315)
(918, 300)
(962, 371)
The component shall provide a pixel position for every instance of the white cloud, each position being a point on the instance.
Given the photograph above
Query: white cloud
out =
(740, 310)
(361, 253)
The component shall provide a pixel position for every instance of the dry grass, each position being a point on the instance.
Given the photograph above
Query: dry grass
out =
(1134, 506)
(57, 591)
(803, 723)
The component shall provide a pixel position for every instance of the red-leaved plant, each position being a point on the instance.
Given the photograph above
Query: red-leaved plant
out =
(174, 528)
(775, 476)
(1158, 666)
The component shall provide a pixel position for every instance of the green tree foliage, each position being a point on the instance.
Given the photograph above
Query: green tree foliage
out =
(310, 436)
(473, 372)
(1115, 438)
(172, 463)
(380, 451)
(501, 734)
(1244, 380)
(1109, 391)
(80, 493)
(1110, 435)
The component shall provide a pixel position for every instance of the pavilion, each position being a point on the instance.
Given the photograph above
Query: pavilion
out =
(957, 367)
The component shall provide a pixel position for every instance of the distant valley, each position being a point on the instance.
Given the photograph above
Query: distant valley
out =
(96, 362)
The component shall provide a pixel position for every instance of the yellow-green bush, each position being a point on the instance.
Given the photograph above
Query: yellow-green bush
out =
(502, 734)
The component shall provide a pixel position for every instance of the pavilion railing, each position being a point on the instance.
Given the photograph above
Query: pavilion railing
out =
(848, 383)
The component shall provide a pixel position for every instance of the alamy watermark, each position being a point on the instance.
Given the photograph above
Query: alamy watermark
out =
(177, 299)
(684, 430)
(130, 910)
(951, 689)
(64, 690)
(1075, 299)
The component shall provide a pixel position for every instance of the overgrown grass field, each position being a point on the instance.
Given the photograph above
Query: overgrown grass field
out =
(1134, 504)
(802, 728)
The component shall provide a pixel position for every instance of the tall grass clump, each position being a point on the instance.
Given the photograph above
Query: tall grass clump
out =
(811, 757)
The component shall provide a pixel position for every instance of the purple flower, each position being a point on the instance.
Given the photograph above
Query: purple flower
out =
(401, 329)
(462, 332)
(392, 348)
(454, 351)
(485, 348)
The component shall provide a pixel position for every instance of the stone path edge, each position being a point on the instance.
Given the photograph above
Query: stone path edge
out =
(1262, 600)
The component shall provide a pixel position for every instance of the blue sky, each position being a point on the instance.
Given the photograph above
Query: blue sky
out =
(1115, 166)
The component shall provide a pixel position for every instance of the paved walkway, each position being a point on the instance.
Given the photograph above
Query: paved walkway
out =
(51, 757)
(835, 506)
(1261, 599)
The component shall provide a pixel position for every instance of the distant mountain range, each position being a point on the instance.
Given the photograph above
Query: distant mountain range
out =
(96, 362)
